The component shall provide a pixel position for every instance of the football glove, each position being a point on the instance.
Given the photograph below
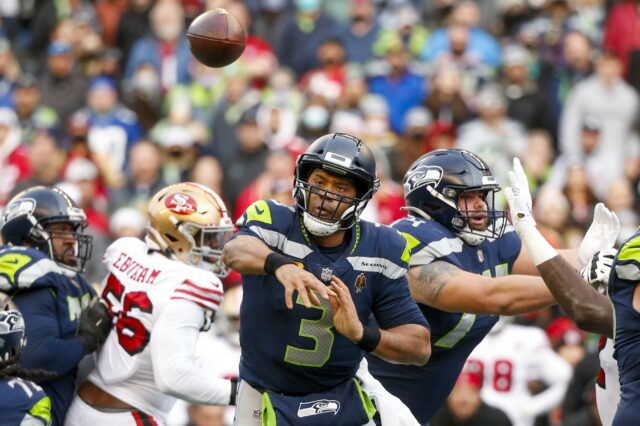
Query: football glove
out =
(602, 234)
(596, 272)
(94, 325)
(234, 390)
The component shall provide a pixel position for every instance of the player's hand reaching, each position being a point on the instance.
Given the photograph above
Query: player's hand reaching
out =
(519, 197)
(94, 325)
(602, 234)
(345, 315)
(596, 272)
(305, 283)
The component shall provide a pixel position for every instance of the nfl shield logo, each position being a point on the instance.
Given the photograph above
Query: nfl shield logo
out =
(480, 255)
(361, 282)
(326, 274)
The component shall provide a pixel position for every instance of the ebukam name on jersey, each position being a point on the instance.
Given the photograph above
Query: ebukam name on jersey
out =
(134, 270)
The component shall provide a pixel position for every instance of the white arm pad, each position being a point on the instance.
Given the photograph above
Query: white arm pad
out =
(176, 368)
(538, 248)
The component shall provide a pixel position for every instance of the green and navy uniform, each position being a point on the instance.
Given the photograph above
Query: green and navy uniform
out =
(622, 284)
(50, 299)
(424, 389)
(298, 351)
(23, 403)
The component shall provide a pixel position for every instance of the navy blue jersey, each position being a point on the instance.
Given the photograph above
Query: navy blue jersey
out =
(23, 400)
(453, 335)
(50, 299)
(298, 352)
(622, 283)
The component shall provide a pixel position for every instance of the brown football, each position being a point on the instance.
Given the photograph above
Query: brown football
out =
(216, 38)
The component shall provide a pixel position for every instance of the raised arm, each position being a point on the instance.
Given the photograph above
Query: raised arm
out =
(447, 287)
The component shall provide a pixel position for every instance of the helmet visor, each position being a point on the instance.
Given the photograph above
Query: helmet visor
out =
(208, 242)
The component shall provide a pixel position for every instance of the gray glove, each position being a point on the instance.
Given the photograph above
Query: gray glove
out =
(94, 325)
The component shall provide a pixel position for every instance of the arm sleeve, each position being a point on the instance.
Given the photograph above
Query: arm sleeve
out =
(46, 349)
(177, 369)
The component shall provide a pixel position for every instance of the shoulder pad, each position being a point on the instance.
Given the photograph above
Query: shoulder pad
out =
(427, 240)
(627, 266)
(200, 287)
(22, 267)
(265, 212)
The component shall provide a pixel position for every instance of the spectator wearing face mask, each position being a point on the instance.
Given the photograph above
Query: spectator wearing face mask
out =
(361, 32)
(166, 48)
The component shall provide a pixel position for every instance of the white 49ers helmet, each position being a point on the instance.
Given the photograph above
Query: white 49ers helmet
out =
(189, 221)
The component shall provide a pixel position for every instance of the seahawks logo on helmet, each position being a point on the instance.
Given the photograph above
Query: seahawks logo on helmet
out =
(422, 176)
(24, 207)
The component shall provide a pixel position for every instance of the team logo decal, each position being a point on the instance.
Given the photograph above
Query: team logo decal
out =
(257, 416)
(361, 282)
(480, 255)
(19, 208)
(181, 204)
(421, 176)
(321, 406)
(325, 275)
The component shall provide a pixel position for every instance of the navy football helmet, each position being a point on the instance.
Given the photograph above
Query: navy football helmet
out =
(27, 220)
(434, 183)
(12, 338)
(345, 156)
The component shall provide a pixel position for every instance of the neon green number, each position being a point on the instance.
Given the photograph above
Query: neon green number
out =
(318, 330)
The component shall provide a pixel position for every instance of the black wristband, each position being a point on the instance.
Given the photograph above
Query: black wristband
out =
(274, 261)
(234, 390)
(370, 339)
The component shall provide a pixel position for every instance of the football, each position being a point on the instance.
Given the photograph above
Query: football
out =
(216, 38)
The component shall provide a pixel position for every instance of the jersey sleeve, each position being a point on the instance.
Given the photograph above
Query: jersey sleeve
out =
(627, 264)
(269, 221)
(204, 291)
(22, 268)
(427, 240)
(393, 305)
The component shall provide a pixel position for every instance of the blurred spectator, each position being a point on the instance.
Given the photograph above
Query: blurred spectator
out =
(46, 161)
(143, 95)
(282, 90)
(127, 222)
(411, 144)
(108, 13)
(31, 114)
(621, 37)
(464, 407)
(403, 27)
(328, 79)
(62, 86)
(166, 48)
(315, 120)
(9, 72)
(143, 177)
(552, 214)
(511, 357)
(608, 106)
(178, 151)
(361, 32)
(400, 87)
(301, 34)
(248, 160)
(376, 126)
(446, 97)
(274, 180)
(495, 137)
(386, 205)
(551, 25)
(578, 190)
(278, 125)
(566, 339)
(537, 158)
(133, 25)
(463, 41)
(441, 135)
(207, 171)
(575, 65)
(579, 407)
(15, 166)
(620, 200)
(113, 128)
(526, 102)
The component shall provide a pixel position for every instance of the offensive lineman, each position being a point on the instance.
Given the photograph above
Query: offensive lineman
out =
(162, 293)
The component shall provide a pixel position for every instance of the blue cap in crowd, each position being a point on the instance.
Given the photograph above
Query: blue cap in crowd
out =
(102, 83)
(58, 48)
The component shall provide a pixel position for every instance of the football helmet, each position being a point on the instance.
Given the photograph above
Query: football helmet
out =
(434, 183)
(190, 222)
(28, 218)
(344, 156)
(12, 339)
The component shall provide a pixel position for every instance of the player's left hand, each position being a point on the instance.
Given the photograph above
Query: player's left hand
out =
(94, 325)
(345, 315)
(597, 271)
(602, 234)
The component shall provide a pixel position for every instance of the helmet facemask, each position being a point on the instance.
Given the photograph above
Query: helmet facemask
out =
(463, 221)
(206, 246)
(45, 234)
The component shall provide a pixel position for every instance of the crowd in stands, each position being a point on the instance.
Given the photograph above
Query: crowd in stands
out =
(103, 98)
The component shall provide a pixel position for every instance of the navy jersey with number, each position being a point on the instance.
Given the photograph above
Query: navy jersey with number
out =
(23, 401)
(297, 352)
(453, 335)
(50, 299)
(622, 283)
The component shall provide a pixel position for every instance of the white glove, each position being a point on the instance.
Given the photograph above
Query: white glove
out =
(596, 272)
(519, 198)
(602, 234)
